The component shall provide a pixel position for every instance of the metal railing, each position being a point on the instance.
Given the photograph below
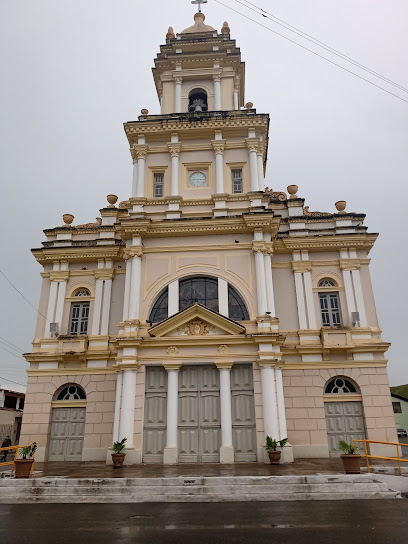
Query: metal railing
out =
(368, 456)
(16, 456)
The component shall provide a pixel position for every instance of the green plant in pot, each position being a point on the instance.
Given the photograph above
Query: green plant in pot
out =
(118, 456)
(23, 466)
(351, 459)
(270, 445)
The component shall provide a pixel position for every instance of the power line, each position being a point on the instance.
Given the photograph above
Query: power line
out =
(11, 353)
(10, 344)
(20, 293)
(308, 37)
(12, 381)
(311, 51)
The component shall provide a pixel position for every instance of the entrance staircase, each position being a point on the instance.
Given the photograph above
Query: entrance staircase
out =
(194, 489)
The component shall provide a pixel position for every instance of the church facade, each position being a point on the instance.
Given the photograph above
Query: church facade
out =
(206, 311)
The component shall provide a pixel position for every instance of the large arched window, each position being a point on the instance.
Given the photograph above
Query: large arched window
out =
(203, 290)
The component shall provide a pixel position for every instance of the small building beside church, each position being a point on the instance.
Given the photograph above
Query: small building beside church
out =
(205, 311)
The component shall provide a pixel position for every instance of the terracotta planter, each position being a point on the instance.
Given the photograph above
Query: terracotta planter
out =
(23, 467)
(274, 457)
(351, 463)
(117, 459)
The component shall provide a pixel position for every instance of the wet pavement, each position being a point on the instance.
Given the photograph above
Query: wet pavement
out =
(321, 522)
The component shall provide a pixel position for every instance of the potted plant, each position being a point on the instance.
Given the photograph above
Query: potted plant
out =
(24, 465)
(118, 456)
(351, 459)
(271, 445)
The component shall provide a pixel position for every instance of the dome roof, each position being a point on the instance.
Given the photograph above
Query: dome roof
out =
(198, 25)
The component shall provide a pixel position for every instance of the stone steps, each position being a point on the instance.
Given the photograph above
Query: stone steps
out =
(191, 489)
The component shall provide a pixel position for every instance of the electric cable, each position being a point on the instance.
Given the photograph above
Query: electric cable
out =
(314, 52)
(20, 293)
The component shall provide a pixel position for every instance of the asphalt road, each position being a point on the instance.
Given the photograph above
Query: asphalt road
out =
(317, 522)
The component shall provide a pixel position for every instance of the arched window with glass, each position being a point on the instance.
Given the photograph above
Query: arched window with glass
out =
(204, 291)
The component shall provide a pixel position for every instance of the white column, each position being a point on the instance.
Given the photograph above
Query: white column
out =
(136, 275)
(141, 161)
(348, 287)
(271, 426)
(359, 297)
(127, 412)
(270, 302)
(236, 99)
(51, 307)
(170, 454)
(177, 95)
(174, 174)
(311, 314)
(253, 169)
(173, 300)
(107, 289)
(300, 299)
(261, 184)
(126, 298)
(283, 432)
(62, 287)
(97, 307)
(223, 297)
(227, 449)
(134, 178)
(217, 92)
(260, 282)
(219, 171)
(118, 400)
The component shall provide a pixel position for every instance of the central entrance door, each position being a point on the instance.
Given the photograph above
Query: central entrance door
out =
(199, 423)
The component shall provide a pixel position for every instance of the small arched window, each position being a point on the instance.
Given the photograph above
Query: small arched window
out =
(71, 391)
(340, 386)
(326, 282)
(78, 323)
(197, 101)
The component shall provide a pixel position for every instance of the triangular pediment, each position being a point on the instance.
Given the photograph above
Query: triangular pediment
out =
(197, 320)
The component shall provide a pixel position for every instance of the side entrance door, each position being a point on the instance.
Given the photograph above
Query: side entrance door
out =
(199, 414)
(155, 414)
(67, 434)
(344, 421)
(243, 413)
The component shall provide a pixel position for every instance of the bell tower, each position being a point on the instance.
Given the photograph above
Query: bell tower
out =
(199, 70)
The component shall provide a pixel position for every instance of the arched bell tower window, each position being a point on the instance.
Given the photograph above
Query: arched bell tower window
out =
(197, 101)
(203, 290)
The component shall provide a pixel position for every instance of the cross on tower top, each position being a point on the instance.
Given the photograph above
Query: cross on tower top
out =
(199, 2)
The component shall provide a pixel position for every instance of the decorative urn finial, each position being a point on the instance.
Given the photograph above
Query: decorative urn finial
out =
(144, 111)
(112, 199)
(249, 105)
(170, 34)
(292, 190)
(225, 28)
(341, 205)
(68, 218)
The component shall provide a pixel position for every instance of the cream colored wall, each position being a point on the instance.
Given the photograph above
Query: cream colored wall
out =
(368, 295)
(116, 305)
(43, 306)
(227, 92)
(306, 423)
(100, 396)
(285, 298)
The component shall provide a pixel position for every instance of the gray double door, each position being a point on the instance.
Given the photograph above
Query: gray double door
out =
(344, 421)
(199, 414)
(67, 434)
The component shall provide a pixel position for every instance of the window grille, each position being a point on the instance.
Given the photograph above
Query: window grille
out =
(72, 392)
(326, 282)
(236, 306)
(158, 185)
(330, 309)
(79, 318)
(83, 293)
(340, 386)
(160, 308)
(237, 186)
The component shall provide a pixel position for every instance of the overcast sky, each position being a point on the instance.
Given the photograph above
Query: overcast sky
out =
(72, 71)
